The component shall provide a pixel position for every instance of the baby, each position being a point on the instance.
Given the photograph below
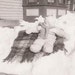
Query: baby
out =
(45, 39)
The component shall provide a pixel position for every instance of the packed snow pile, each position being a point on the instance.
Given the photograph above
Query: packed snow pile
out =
(6, 40)
(67, 24)
(54, 64)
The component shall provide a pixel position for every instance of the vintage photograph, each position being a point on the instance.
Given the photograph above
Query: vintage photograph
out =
(37, 37)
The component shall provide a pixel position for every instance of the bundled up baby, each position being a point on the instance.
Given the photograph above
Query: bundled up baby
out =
(47, 37)
(45, 40)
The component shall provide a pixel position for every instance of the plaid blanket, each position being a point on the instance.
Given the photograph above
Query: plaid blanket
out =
(21, 47)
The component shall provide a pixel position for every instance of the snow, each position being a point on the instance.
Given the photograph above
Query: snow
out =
(67, 23)
(54, 64)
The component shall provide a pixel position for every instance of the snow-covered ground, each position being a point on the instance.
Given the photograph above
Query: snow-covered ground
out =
(54, 64)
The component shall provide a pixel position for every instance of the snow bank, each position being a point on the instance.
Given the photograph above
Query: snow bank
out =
(6, 41)
(54, 64)
(67, 23)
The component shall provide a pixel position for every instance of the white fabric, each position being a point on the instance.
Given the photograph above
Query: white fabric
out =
(37, 45)
(49, 42)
